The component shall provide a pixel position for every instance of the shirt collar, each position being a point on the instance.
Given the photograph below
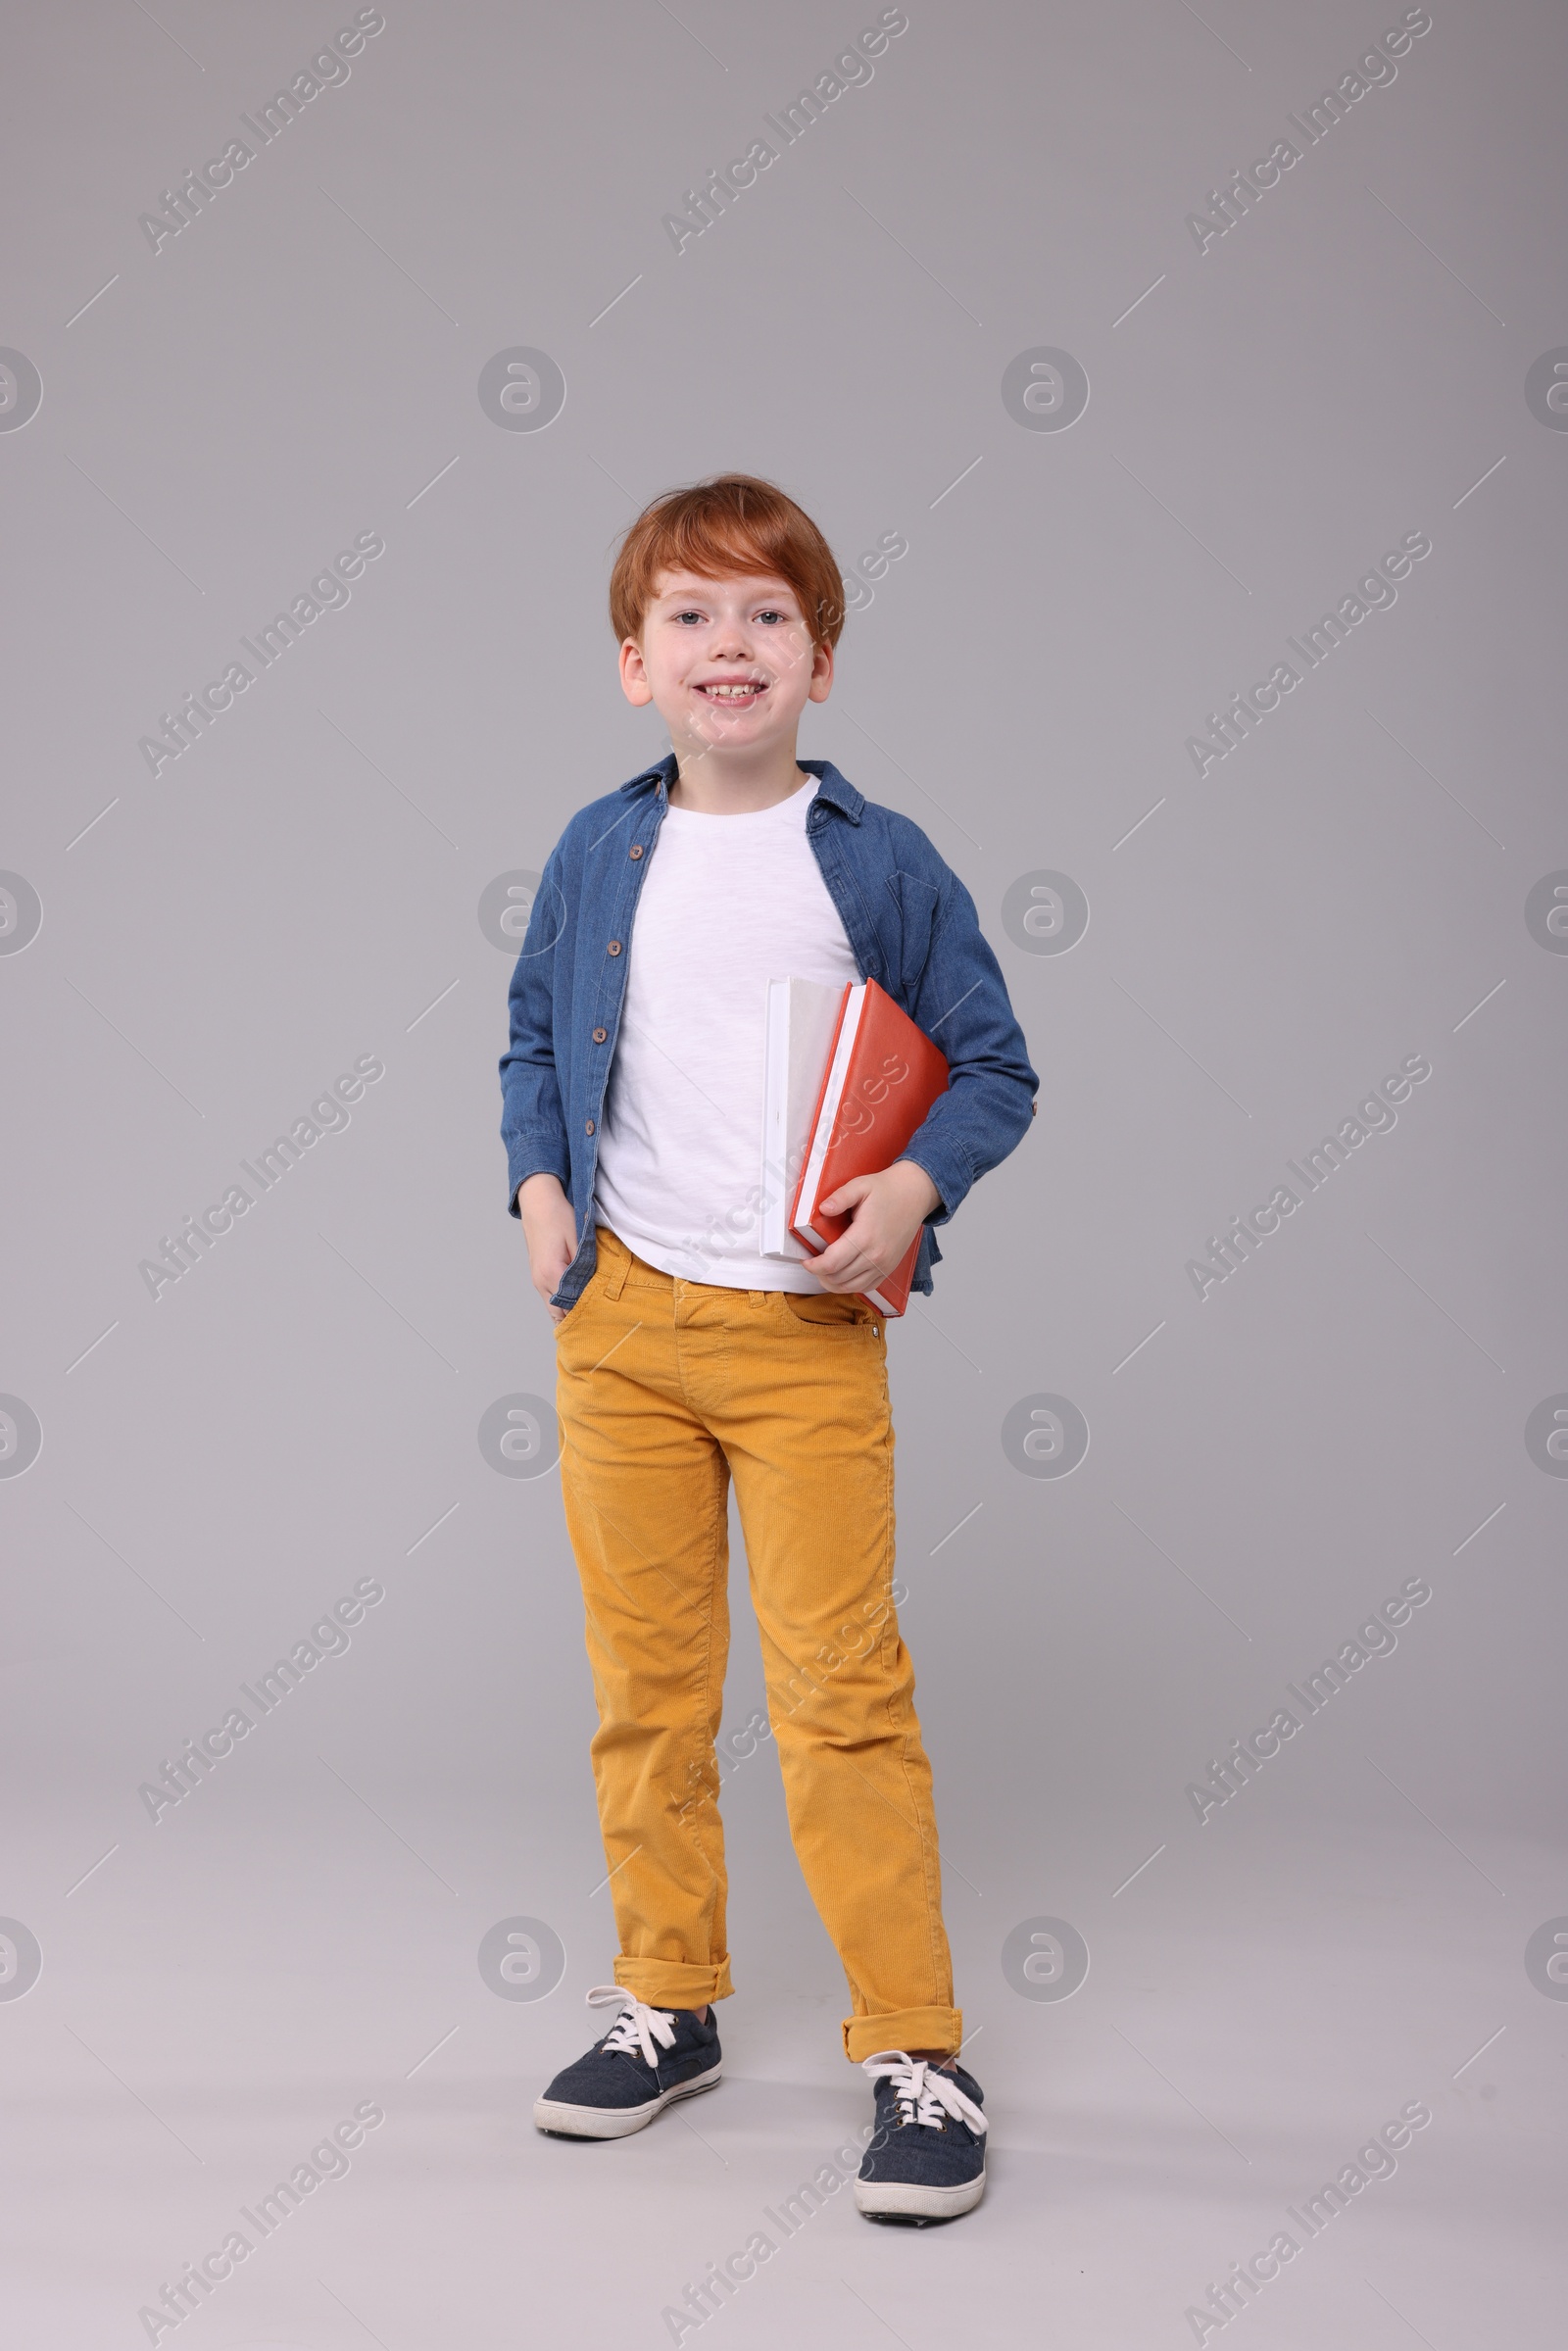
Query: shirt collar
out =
(832, 787)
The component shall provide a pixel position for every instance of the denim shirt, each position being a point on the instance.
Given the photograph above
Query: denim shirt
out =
(910, 924)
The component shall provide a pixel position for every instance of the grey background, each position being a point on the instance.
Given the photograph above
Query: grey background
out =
(301, 363)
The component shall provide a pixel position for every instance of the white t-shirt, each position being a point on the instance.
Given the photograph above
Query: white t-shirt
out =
(727, 903)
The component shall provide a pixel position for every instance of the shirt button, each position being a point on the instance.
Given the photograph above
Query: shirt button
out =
(615, 946)
(600, 1035)
(588, 1127)
(636, 849)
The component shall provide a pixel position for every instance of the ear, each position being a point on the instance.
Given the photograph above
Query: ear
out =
(634, 674)
(821, 685)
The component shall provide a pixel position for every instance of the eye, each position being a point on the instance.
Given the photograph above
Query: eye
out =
(771, 614)
(683, 618)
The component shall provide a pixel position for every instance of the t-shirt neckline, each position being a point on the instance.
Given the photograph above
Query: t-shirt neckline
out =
(803, 791)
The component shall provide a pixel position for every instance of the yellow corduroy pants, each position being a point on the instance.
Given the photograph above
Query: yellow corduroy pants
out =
(665, 1389)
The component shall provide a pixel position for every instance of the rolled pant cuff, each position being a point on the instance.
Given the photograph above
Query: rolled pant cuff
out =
(903, 2029)
(672, 1983)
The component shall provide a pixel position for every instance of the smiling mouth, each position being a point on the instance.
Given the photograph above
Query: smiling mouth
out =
(733, 693)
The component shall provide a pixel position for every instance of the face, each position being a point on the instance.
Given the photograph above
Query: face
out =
(728, 663)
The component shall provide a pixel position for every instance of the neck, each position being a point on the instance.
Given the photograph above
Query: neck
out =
(719, 783)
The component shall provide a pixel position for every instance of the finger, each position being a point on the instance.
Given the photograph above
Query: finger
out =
(851, 1253)
(836, 1262)
(829, 1263)
(858, 1274)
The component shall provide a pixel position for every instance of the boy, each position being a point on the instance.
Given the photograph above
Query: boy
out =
(633, 1123)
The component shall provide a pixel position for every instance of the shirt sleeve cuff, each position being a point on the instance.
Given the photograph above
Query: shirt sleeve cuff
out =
(948, 1169)
(536, 1154)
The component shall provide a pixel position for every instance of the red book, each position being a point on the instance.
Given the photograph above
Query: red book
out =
(883, 1074)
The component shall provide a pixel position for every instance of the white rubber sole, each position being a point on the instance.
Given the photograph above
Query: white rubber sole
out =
(617, 2121)
(900, 2199)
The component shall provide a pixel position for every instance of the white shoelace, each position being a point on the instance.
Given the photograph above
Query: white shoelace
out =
(636, 2032)
(922, 2091)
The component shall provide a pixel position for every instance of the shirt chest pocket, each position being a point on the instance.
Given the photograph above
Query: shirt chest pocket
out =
(916, 902)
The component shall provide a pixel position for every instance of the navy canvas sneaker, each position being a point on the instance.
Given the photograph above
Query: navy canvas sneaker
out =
(648, 2059)
(926, 2159)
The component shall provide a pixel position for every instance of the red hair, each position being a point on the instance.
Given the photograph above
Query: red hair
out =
(722, 528)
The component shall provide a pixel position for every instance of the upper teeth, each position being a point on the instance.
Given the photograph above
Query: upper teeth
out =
(747, 689)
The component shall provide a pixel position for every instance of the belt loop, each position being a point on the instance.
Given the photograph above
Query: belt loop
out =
(614, 1261)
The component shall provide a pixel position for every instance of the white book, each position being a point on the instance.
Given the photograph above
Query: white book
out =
(801, 1018)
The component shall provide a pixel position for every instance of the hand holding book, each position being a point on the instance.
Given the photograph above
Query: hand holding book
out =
(886, 1213)
(849, 1080)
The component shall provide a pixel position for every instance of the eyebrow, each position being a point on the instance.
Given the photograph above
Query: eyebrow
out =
(678, 596)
